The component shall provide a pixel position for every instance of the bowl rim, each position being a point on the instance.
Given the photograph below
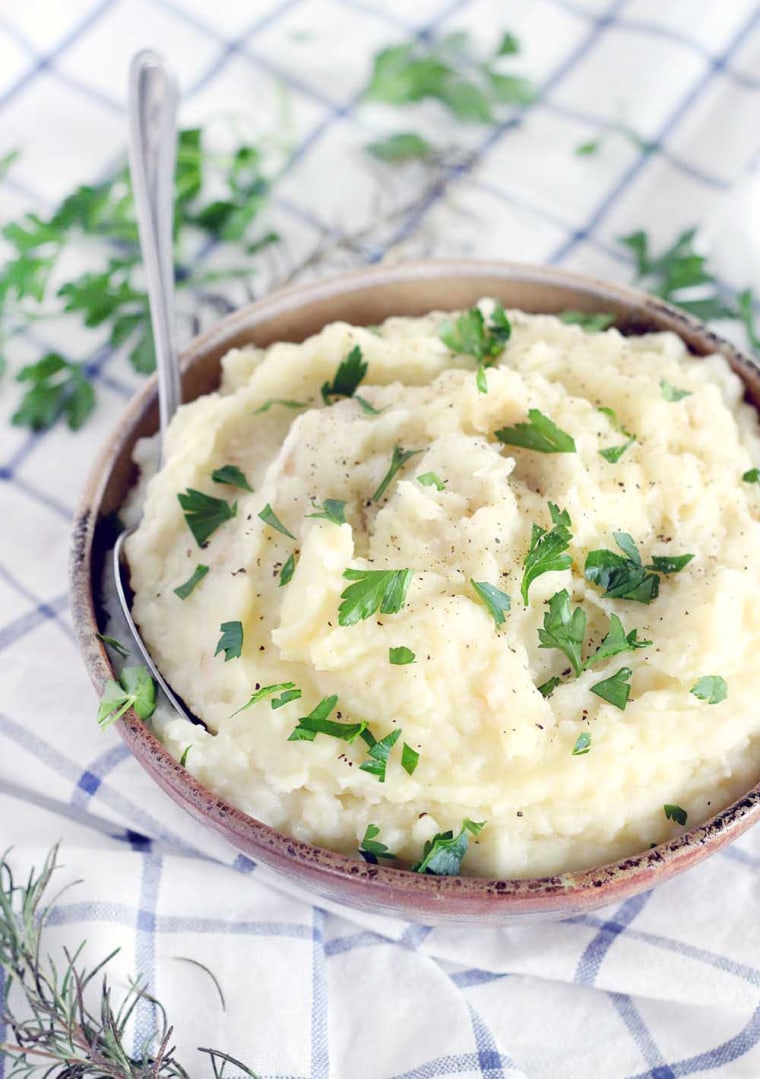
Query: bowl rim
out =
(405, 893)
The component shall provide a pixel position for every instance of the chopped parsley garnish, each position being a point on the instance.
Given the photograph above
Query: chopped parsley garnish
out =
(373, 590)
(497, 603)
(670, 563)
(410, 758)
(614, 453)
(472, 335)
(135, 689)
(442, 855)
(547, 688)
(183, 758)
(398, 460)
(752, 475)
(269, 517)
(540, 434)
(119, 648)
(590, 322)
(564, 629)
(347, 378)
(582, 744)
(379, 752)
(288, 568)
(616, 689)
(546, 551)
(401, 656)
(279, 401)
(711, 688)
(290, 694)
(231, 475)
(369, 409)
(204, 513)
(615, 642)
(317, 722)
(675, 813)
(231, 640)
(403, 146)
(184, 590)
(673, 393)
(431, 479)
(371, 848)
(332, 509)
(624, 576)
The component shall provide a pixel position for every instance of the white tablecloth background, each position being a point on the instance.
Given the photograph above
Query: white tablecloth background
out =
(663, 985)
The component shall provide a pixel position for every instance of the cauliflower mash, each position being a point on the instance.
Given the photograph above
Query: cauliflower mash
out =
(470, 569)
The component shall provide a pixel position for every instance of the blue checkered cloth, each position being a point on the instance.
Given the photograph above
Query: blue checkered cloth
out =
(666, 984)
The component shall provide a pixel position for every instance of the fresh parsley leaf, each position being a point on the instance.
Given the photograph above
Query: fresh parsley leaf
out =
(591, 322)
(269, 517)
(672, 393)
(622, 576)
(582, 744)
(472, 335)
(184, 590)
(379, 752)
(204, 513)
(231, 640)
(58, 389)
(183, 758)
(279, 401)
(373, 590)
(371, 848)
(547, 688)
(745, 303)
(367, 408)
(670, 563)
(675, 813)
(614, 453)
(431, 479)
(317, 722)
(401, 656)
(112, 642)
(291, 693)
(616, 641)
(135, 689)
(232, 475)
(711, 688)
(346, 380)
(751, 476)
(546, 551)
(564, 629)
(616, 689)
(442, 855)
(398, 460)
(496, 602)
(401, 147)
(540, 434)
(332, 509)
(288, 568)
(410, 758)
(587, 149)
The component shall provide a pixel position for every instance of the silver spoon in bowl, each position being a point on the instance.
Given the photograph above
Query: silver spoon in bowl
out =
(152, 109)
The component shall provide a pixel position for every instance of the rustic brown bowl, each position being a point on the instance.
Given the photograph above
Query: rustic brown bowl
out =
(367, 297)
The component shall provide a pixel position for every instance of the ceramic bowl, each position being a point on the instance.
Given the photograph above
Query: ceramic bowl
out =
(367, 297)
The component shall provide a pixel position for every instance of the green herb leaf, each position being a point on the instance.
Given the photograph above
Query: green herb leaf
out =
(615, 642)
(745, 303)
(471, 335)
(269, 691)
(675, 813)
(401, 656)
(672, 393)
(346, 380)
(135, 689)
(279, 401)
(371, 848)
(112, 642)
(58, 390)
(431, 479)
(546, 551)
(670, 563)
(401, 147)
(564, 630)
(287, 570)
(582, 744)
(317, 723)
(410, 758)
(443, 854)
(540, 434)
(231, 640)
(594, 322)
(184, 590)
(614, 453)
(183, 758)
(547, 688)
(231, 475)
(751, 476)
(711, 688)
(373, 590)
(398, 460)
(269, 517)
(369, 409)
(204, 513)
(332, 509)
(379, 752)
(622, 577)
(616, 689)
(497, 603)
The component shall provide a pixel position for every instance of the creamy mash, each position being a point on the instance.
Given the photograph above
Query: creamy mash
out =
(564, 779)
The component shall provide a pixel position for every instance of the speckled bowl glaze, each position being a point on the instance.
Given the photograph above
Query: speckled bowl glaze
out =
(367, 297)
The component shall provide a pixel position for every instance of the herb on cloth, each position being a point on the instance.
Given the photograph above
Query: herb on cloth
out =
(184, 590)
(204, 513)
(540, 433)
(442, 855)
(134, 689)
(546, 553)
(58, 389)
(401, 147)
(399, 458)
(231, 640)
(371, 848)
(496, 602)
(373, 590)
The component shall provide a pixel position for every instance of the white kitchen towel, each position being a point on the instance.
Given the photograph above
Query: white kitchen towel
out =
(666, 984)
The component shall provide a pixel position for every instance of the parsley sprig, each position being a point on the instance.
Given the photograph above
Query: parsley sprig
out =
(540, 433)
(565, 630)
(373, 590)
(347, 377)
(135, 689)
(231, 640)
(399, 457)
(443, 854)
(546, 553)
(473, 335)
(624, 576)
(371, 848)
(57, 389)
(204, 513)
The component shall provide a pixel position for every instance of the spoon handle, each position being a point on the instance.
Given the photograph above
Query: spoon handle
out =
(152, 156)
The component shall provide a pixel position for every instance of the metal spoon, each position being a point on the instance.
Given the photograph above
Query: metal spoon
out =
(152, 108)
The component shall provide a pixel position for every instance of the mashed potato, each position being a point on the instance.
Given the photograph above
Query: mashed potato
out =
(564, 779)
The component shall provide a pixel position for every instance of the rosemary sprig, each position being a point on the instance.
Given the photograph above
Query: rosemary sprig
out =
(55, 1032)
